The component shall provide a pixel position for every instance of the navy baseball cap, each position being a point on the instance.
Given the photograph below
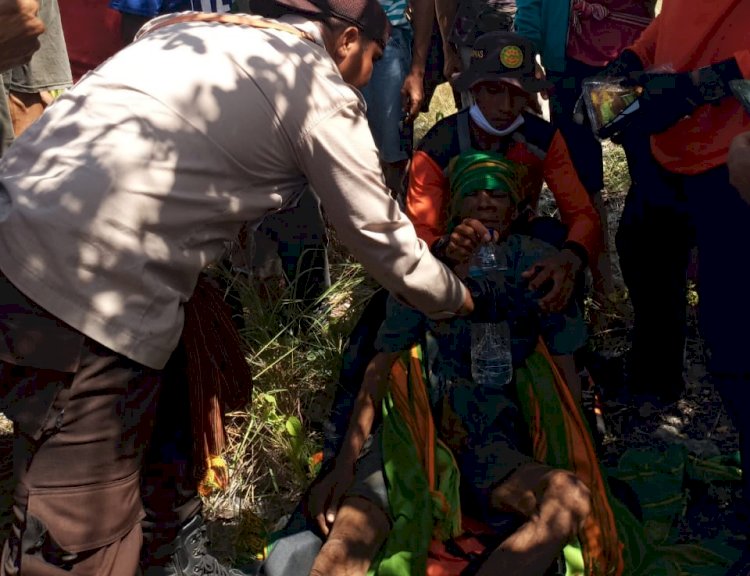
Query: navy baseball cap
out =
(367, 15)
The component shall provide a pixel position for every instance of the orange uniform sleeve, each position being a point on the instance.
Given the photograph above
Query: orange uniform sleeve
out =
(576, 210)
(427, 197)
(743, 61)
(645, 46)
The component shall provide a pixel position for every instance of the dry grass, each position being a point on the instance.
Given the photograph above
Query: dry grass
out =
(441, 105)
(295, 353)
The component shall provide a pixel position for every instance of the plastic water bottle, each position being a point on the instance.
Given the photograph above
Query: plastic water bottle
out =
(491, 358)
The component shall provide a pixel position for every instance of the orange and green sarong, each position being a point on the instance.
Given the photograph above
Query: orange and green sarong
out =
(424, 499)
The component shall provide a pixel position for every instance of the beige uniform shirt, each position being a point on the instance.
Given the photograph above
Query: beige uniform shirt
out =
(134, 180)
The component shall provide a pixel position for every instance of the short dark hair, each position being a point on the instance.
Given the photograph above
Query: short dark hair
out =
(337, 26)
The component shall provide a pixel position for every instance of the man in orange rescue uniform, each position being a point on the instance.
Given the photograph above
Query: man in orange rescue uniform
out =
(678, 143)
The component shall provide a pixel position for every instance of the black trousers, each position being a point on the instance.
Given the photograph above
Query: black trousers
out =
(168, 484)
(654, 239)
(666, 214)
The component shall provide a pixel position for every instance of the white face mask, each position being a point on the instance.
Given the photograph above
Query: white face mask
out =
(483, 123)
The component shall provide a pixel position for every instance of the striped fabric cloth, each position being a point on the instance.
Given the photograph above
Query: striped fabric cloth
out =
(151, 8)
(211, 5)
(219, 379)
(396, 11)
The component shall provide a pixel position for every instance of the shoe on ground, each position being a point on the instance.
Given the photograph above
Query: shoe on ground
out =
(190, 556)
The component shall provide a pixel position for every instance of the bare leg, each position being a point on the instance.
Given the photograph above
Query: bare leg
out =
(560, 505)
(607, 304)
(601, 270)
(357, 534)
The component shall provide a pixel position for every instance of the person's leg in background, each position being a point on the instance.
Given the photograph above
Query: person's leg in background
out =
(290, 247)
(586, 152)
(31, 88)
(654, 239)
(384, 108)
(433, 73)
(6, 124)
(27, 90)
(303, 242)
(722, 221)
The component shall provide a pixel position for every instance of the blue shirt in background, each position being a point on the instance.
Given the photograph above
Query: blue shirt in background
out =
(152, 8)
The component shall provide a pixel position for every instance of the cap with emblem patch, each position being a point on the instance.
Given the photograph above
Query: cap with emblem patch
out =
(503, 57)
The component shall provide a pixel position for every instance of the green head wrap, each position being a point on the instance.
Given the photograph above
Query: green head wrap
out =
(474, 170)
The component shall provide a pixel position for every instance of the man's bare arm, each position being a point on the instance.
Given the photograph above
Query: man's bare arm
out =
(325, 496)
(445, 11)
(367, 404)
(412, 91)
(20, 28)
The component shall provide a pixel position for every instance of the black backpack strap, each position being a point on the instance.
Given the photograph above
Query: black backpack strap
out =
(462, 126)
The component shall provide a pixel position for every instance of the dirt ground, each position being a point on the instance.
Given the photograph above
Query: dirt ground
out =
(698, 422)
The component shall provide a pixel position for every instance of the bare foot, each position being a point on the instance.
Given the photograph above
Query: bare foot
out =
(358, 531)
(337, 558)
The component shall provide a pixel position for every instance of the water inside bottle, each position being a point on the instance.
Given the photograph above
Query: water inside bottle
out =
(491, 372)
(491, 358)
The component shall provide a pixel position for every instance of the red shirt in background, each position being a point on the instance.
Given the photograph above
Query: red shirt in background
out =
(600, 30)
(92, 33)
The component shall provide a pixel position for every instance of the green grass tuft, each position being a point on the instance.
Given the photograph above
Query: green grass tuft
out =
(295, 353)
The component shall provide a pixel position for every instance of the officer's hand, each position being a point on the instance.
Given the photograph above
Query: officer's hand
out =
(20, 29)
(412, 94)
(558, 273)
(467, 306)
(738, 162)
